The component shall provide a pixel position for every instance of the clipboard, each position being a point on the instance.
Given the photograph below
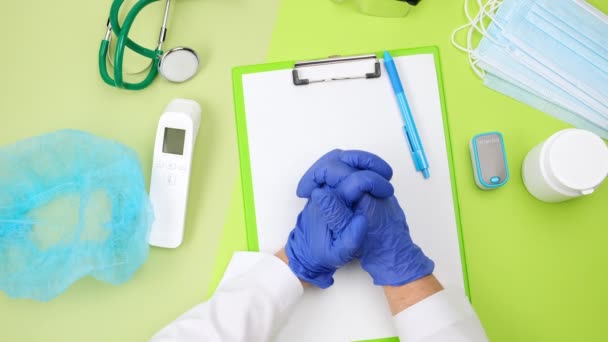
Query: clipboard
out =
(274, 104)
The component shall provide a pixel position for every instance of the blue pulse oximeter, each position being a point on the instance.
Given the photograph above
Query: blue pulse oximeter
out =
(489, 160)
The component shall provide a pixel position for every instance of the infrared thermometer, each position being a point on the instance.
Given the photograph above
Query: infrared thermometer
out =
(173, 149)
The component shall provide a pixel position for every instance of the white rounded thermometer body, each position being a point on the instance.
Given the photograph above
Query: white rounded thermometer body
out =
(173, 149)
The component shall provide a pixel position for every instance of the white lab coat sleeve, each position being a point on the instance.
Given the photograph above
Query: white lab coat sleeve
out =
(256, 295)
(444, 316)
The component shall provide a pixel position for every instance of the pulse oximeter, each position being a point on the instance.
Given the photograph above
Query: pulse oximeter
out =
(489, 160)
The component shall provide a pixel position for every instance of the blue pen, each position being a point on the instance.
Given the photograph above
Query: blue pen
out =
(411, 133)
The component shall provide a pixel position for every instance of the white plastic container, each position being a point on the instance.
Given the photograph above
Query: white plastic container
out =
(571, 163)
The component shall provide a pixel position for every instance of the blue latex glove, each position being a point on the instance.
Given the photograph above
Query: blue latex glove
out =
(337, 165)
(327, 236)
(388, 253)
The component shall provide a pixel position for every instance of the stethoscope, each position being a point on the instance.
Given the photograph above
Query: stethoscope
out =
(176, 65)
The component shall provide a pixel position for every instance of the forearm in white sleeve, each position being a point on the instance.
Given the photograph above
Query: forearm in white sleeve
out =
(251, 303)
(444, 316)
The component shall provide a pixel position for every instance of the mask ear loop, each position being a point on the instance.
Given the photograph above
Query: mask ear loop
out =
(494, 5)
(477, 23)
(468, 49)
(487, 10)
(470, 22)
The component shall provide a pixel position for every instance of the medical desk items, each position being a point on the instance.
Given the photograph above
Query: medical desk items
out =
(490, 167)
(571, 163)
(409, 127)
(173, 149)
(176, 65)
(72, 205)
(549, 54)
(285, 124)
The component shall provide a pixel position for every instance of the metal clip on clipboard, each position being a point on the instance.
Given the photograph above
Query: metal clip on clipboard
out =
(298, 80)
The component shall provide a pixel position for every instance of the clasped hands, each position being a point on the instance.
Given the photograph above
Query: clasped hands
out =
(352, 213)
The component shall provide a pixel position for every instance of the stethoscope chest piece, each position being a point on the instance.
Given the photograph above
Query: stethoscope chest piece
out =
(178, 64)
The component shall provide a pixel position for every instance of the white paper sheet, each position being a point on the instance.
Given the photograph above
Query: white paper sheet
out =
(290, 127)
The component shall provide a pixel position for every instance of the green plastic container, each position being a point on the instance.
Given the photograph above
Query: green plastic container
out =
(382, 8)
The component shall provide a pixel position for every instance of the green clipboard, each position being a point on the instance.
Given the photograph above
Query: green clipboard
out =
(246, 209)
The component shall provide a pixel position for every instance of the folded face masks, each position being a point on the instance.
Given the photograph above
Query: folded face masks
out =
(71, 205)
(552, 52)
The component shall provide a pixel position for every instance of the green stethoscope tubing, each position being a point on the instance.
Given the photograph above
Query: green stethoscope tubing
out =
(124, 42)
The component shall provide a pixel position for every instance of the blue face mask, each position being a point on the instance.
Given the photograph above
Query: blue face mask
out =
(523, 94)
(499, 57)
(592, 37)
(556, 49)
(548, 54)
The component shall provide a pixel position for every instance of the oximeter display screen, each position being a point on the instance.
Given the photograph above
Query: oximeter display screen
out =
(174, 141)
(491, 158)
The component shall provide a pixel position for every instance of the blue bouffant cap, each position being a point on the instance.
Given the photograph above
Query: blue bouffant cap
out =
(71, 205)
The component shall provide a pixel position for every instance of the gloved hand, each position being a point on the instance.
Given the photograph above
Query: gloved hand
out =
(337, 165)
(327, 236)
(388, 253)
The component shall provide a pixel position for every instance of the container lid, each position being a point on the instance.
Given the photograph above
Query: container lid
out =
(579, 160)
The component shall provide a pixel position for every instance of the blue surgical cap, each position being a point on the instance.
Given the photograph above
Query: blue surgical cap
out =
(71, 205)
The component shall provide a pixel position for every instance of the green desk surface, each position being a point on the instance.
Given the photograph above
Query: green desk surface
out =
(537, 271)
